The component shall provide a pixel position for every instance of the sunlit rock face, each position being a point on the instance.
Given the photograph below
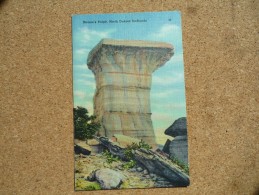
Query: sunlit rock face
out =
(123, 73)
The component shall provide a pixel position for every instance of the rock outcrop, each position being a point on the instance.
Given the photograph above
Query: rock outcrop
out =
(178, 148)
(107, 178)
(160, 166)
(153, 162)
(123, 73)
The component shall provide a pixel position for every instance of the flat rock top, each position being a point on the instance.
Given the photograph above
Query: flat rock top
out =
(128, 43)
(135, 43)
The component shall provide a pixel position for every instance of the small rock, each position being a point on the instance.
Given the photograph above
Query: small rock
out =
(145, 172)
(152, 175)
(139, 169)
(132, 170)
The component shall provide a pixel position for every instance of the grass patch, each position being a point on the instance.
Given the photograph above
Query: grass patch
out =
(82, 184)
(129, 165)
(183, 166)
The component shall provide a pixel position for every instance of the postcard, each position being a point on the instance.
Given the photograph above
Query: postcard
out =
(130, 127)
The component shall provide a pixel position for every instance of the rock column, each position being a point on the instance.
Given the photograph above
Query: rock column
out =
(123, 73)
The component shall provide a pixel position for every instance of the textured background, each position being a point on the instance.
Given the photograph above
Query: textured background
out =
(221, 74)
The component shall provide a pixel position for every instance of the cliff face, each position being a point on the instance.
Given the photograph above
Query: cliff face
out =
(123, 72)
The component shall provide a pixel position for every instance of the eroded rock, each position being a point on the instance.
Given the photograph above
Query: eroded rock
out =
(123, 73)
(178, 149)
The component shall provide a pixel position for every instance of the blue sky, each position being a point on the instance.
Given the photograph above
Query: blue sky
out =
(167, 90)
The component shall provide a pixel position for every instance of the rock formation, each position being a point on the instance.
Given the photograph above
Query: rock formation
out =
(153, 162)
(178, 148)
(123, 73)
(178, 128)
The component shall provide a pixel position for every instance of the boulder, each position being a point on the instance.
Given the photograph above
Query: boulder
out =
(107, 178)
(178, 149)
(178, 128)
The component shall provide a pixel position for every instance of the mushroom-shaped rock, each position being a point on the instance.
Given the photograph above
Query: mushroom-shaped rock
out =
(123, 74)
(178, 128)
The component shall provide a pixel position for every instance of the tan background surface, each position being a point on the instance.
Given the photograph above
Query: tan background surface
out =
(221, 71)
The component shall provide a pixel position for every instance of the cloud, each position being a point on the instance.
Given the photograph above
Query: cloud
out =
(168, 79)
(87, 38)
(89, 35)
(161, 117)
(82, 51)
(81, 66)
(84, 39)
(83, 98)
(168, 30)
(168, 107)
(80, 94)
(91, 76)
(160, 95)
(86, 82)
(169, 33)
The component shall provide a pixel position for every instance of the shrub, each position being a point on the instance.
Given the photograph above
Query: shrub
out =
(129, 164)
(144, 145)
(110, 158)
(85, 126)
(129, 153)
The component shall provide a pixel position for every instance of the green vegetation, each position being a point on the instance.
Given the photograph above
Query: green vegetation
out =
(130, 164)
(109, 157)
(82, 184)
(85, 125)
(144, 145)
(183, 166)
(128, 152)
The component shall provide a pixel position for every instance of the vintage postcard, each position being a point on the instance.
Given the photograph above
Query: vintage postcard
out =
(130, 128)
